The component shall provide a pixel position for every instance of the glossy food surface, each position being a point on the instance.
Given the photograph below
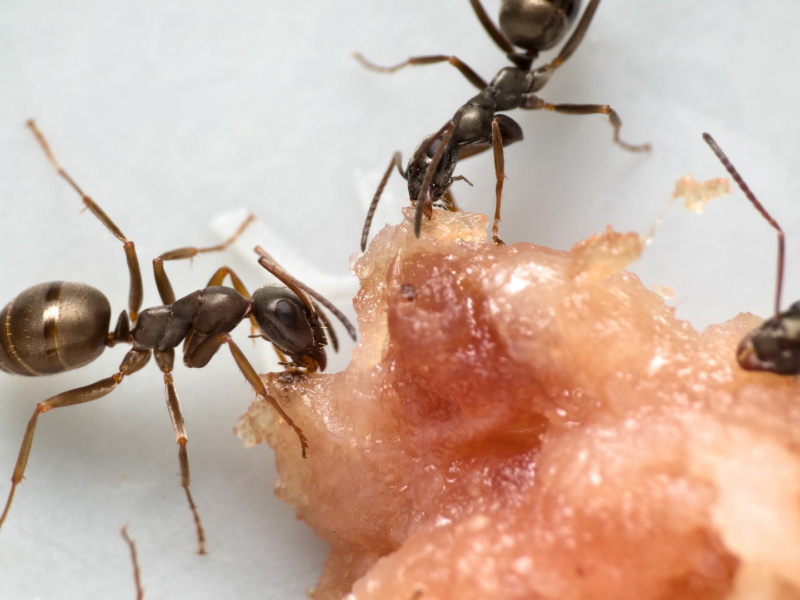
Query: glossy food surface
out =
(520, 422)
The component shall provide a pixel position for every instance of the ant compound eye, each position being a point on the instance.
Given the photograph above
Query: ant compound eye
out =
(282, 317)
(433, 148)
(287, 313)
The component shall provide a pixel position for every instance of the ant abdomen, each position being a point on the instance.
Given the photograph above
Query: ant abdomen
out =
(53, 327)
(537, 24)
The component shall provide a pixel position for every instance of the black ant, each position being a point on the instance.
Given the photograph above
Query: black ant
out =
(58, 326)
(534, 26)
(775, 345)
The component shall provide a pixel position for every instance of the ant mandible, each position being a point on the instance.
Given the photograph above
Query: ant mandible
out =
(59, 326)
(775, 345)
(534, 26)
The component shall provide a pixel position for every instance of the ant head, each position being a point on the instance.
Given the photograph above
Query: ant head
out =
(775, 346)
(420, 162)
(537, 25)
(286, 322)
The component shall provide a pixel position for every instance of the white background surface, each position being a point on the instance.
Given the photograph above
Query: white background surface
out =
(170, 113)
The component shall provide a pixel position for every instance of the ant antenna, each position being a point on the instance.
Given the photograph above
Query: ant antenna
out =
(752, 197)
(137, 575)
(302, 291)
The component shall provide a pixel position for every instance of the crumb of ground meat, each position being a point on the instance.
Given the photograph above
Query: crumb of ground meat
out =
(519, 423)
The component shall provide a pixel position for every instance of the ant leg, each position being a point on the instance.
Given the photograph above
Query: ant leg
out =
(137, 576)
(416, 61)
(497, 36)
(210, 346)
(163, 284)
(136, 286)
(500, 175)
(219, 277)
(752, 197)
(396, 160)
(132, 362)
(448, 200)
(302, 290)
(534, 102)
(165, 360)
(575, 39)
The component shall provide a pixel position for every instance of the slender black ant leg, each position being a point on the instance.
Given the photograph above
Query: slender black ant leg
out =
(395, 162)
(533, 102)
(752, 197)
(136, 287)
(416, 61)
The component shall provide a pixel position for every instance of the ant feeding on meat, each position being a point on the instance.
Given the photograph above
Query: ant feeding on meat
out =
(59, 326)
(532, 26)
(775, 345)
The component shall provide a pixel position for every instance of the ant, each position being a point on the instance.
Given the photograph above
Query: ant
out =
(775, 345)
(58, 326)
(533, 26)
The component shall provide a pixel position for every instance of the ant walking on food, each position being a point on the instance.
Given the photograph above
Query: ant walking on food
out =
(533, 26)
(775, 345)
(59, 326)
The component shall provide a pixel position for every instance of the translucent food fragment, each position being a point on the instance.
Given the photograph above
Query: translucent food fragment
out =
(603, 254)
(696, 194)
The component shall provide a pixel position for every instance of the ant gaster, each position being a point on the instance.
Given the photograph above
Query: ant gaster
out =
(775, 345)
(533, 26)
(58, 326)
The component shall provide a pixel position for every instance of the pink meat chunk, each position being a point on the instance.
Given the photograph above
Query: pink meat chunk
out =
(524, 423)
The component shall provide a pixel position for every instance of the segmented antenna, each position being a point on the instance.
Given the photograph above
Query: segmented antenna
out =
(752, 197)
